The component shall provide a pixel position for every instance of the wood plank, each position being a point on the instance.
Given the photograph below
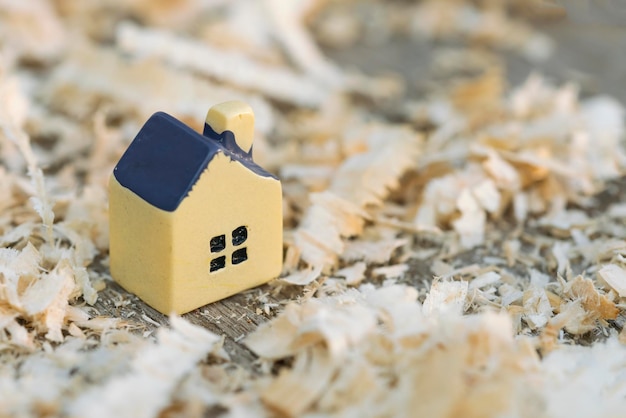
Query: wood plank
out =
(233, 318)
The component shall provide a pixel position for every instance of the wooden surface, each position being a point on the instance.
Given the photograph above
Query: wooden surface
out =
(233, 318)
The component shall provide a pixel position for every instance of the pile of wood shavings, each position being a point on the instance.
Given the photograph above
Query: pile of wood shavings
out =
(489, 190)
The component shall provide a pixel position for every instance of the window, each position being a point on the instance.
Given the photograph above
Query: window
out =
(218, 244)
(240, 235)
(218, 263)
(239, 256)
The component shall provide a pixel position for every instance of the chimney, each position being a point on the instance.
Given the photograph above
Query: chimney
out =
(236, 117)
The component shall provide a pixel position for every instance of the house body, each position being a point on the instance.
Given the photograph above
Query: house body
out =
(192, 218)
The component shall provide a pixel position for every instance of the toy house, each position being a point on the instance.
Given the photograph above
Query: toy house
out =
(192, 218)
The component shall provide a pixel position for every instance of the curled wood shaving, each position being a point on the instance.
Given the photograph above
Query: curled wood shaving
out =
(391, 272)
(437, 18)
(487, 337)
(319, 237)
(446, 296)
(353, 274)
(523, 160)
(130, 85)
(294, 390)
(597, 305)
(614, 276)
(374, 252)
(154, 373)
(275, 82)
(576, 370)
(32, 30)
(363, 179)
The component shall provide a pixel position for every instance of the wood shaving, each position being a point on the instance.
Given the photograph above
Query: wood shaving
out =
(353, 274)
(441, 19)
(152, 376)
(615, 277)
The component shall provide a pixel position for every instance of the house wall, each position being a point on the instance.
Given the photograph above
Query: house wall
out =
(226, 196)
(140, 247)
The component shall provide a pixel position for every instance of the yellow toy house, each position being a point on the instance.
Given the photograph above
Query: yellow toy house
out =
(192, 218)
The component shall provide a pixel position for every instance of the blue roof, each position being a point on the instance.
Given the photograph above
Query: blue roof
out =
(167, 157)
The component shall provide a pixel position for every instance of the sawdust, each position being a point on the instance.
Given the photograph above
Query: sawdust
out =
(375, 183)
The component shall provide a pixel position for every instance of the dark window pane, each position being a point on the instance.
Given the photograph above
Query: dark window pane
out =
(218, 243)
(240, 256)
(240, 235)
(218, 263)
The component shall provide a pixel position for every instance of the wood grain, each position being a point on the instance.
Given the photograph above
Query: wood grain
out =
(234, 318)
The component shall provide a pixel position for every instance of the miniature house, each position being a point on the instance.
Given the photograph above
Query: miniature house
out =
(192, 218)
